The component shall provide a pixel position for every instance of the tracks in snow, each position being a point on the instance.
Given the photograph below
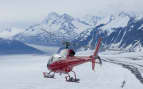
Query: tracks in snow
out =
(135, 69)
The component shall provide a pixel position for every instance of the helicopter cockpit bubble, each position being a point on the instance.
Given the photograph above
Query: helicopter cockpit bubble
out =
(54, 58)
(63, 54)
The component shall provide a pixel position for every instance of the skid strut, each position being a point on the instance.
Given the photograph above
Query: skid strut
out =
(71, 79)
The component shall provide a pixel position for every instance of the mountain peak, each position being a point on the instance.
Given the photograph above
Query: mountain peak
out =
(51, 16)
(66, 16)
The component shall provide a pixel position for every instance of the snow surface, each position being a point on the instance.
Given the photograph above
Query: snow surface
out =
(141, 27)
(116, 22)
(25, 72)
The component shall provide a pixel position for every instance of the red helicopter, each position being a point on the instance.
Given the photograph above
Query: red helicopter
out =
(66, 61)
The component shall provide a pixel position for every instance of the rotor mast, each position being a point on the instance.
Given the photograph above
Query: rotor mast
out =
(67, 44)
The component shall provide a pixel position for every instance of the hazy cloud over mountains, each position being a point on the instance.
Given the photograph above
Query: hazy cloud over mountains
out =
(34, 10)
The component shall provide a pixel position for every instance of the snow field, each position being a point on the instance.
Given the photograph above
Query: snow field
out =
(25, 72)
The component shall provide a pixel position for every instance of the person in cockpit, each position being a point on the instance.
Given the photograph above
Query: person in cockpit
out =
(71, 53)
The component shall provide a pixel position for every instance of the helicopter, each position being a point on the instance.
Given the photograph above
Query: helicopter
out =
(66, 61)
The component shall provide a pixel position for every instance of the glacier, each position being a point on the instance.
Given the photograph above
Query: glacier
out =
(25, 72)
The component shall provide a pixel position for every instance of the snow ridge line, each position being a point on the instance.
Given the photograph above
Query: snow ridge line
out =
(134, 70)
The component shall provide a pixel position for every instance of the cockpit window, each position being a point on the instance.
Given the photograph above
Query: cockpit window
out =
(54, 58)
(64, 53)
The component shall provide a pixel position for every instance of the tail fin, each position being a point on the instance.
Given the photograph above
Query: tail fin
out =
(95, 55)
(97, 47)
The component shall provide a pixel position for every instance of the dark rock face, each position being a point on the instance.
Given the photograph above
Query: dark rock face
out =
(132, 34)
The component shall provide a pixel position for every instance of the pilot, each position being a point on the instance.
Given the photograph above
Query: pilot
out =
(71, 53)
(67, 52)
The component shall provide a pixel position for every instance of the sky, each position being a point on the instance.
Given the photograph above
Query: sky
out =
(23, 13)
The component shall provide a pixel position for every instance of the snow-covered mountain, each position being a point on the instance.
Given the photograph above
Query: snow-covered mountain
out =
(122, 31)
(16, 47)
(119, 31)
(53, 30)
(8, 33)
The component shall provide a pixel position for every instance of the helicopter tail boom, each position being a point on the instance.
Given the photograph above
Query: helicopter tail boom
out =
(95, 55)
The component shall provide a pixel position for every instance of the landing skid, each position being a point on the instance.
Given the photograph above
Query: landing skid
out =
(68, 78)
(48, 75)
(71, 79)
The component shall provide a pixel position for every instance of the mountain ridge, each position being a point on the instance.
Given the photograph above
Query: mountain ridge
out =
(120, 31)
(16, 47)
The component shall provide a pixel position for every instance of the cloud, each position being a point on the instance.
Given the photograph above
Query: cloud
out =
(35, 10)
